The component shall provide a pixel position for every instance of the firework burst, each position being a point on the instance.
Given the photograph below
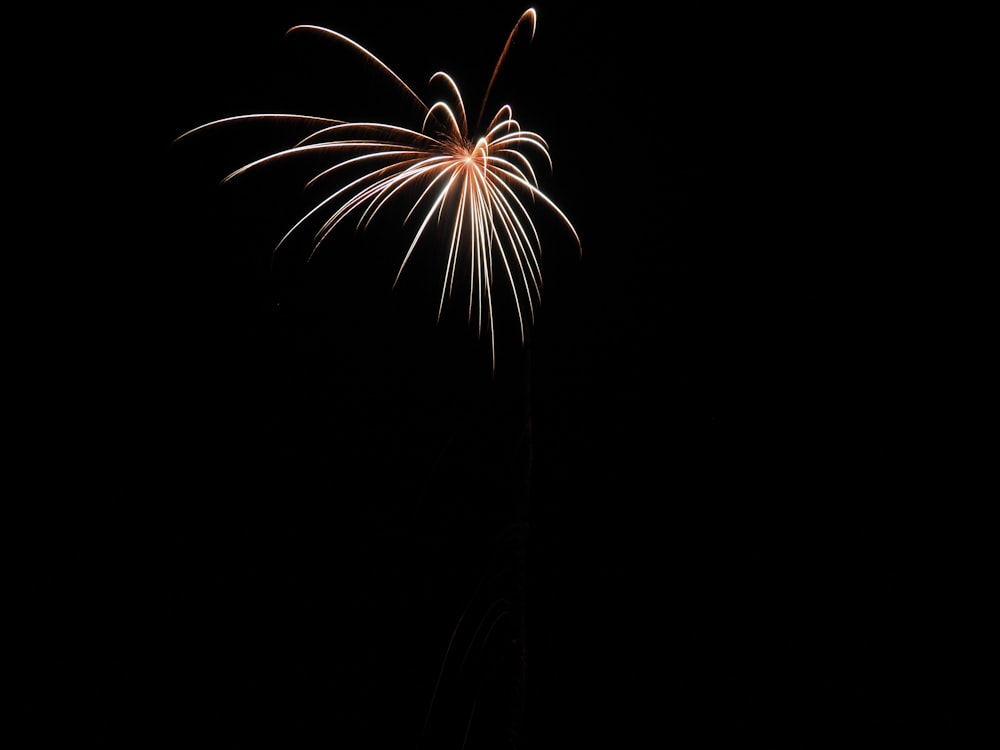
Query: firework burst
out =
(475, 187)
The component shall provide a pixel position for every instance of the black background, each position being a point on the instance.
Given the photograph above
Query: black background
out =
(271, 494)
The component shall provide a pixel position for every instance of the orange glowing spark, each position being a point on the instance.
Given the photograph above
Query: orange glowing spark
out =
(477, 187)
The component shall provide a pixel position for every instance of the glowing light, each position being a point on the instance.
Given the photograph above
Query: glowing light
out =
(480, 188)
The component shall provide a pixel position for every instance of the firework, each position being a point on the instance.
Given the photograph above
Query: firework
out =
(477, 186)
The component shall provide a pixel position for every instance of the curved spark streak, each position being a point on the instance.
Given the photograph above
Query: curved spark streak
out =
(528, 15)
(364, 51)
(480, 189)
(463, 126)
(275, 116)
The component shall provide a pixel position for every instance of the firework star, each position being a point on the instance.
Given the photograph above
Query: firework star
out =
(474, 187)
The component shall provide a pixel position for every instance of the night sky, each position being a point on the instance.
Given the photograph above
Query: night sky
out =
(681, 514)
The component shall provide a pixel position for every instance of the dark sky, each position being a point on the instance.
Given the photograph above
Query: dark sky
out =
(291, 488)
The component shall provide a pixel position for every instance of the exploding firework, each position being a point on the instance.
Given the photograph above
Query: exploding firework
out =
(476, 187)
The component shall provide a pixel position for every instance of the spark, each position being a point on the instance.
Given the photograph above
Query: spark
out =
(480, 185)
